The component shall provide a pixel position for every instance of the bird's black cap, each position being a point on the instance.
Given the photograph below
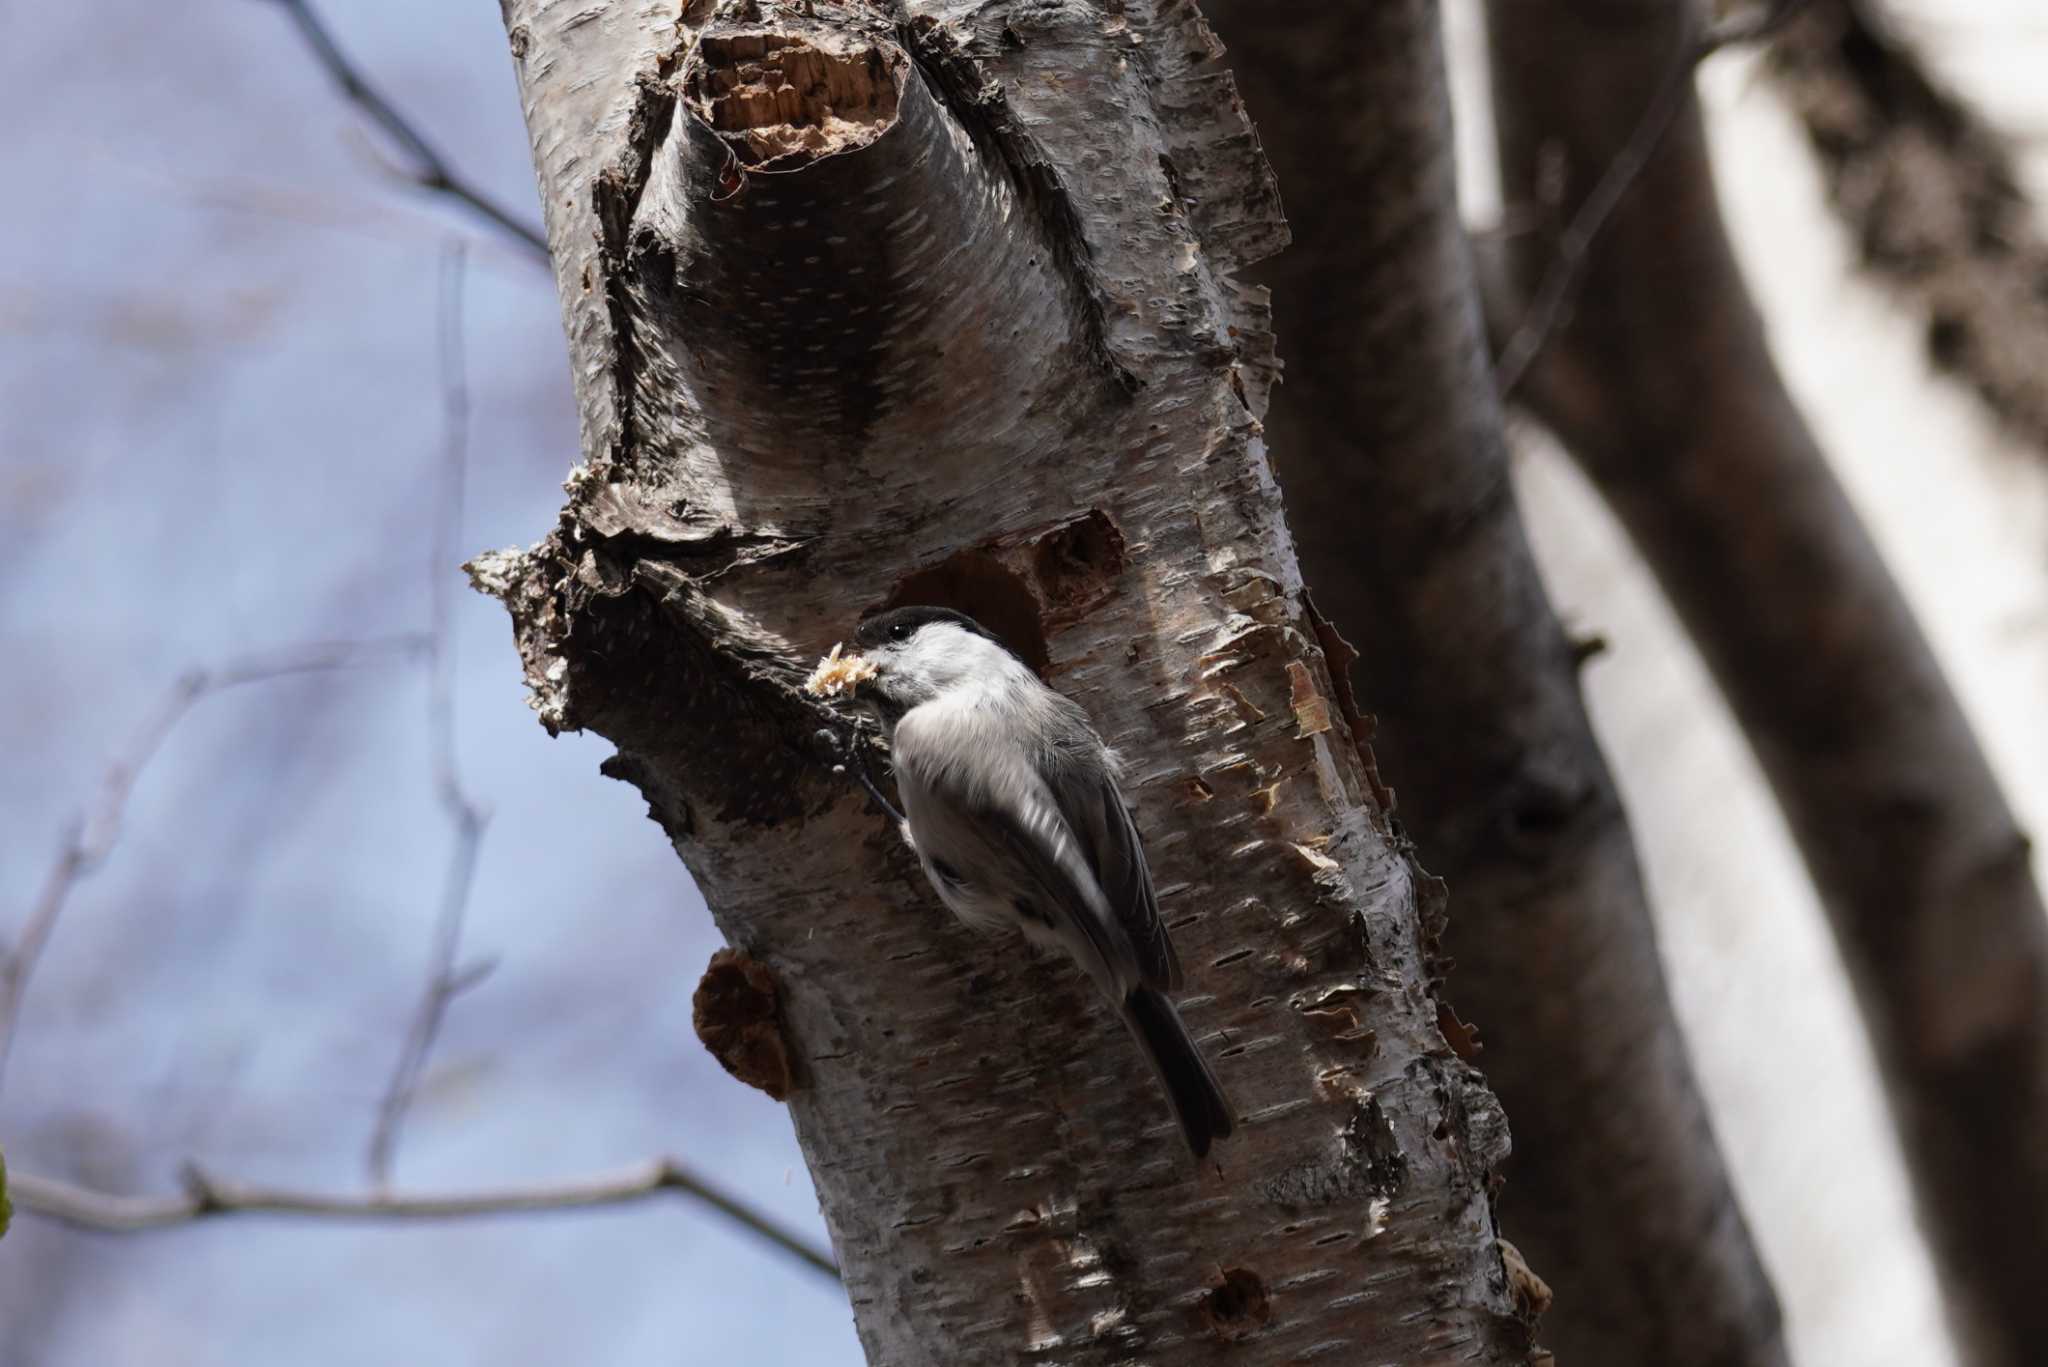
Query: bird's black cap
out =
(898, 623)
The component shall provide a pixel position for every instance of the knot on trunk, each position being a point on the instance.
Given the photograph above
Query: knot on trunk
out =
(736, 1016)
(1238, 1306)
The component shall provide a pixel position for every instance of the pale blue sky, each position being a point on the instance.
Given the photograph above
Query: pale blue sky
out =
(217, 369)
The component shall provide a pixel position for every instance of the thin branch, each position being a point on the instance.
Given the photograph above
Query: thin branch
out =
(445, 979)
(91, 835)
(206, 1196)
(428, 169)
(401, 221)
(1561, 278)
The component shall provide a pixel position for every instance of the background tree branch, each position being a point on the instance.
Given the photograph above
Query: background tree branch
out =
(1387, 436)
(91, 836)
(446, 978)
(1550, 300)
(94, 834)
(1928, 190)
(207, 1196)
(425, 166)
(1663, 388)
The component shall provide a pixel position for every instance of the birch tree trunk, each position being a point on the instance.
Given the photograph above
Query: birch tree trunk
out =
(937, 302)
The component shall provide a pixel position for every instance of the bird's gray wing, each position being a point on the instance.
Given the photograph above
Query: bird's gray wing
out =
(1094, 810)
(998, 817)
(1049, 857)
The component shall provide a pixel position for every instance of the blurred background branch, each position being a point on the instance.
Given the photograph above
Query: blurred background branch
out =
(467, 819)
(1929, 190)
(90, 836)
(426, 167)
(1550, 301)
(206, 1196)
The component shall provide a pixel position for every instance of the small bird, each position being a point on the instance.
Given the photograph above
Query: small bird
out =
(1011, 803)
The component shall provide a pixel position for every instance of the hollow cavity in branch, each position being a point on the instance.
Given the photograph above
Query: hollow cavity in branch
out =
(781, 100)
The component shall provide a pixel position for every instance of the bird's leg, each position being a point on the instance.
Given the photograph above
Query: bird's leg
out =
(849, 752)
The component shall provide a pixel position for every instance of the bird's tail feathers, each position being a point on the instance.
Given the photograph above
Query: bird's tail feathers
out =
(1197, 1099)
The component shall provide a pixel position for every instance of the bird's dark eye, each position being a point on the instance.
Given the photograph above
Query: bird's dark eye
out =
(899, 631)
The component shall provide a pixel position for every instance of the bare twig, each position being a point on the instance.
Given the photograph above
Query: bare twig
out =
(1561, 278)
(206, 1195)
(428, 169)
(91, 835)
(445, 980)
(404, 222)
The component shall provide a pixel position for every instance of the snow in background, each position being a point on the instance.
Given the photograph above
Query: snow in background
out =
(217, 375)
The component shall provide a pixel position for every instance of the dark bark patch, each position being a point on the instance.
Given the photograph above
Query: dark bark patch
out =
(727, 737)
(1077, 563)
(1368, 1162)
(1433, 908)
(1948, 337)
(1238, 1306)
(1022, 585)
(615, 199)
(737, 1017)
(1469, 1116)
(1371, 1140)
(1543, 809)
(668, 810)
